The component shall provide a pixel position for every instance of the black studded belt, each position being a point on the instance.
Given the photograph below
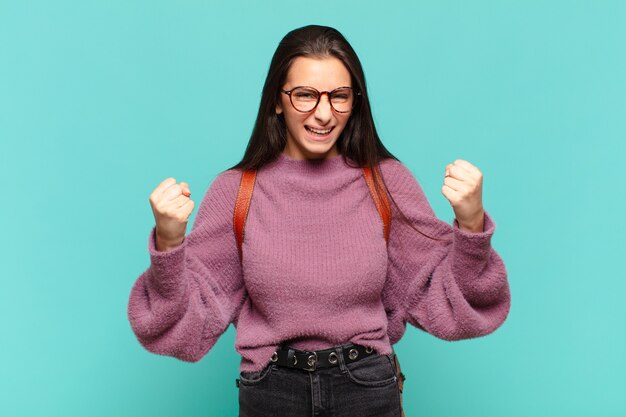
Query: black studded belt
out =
(326, 358)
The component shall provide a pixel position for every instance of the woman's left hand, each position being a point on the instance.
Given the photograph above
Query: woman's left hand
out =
(462, 186)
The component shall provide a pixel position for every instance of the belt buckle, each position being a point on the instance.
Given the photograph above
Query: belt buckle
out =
(311, 361)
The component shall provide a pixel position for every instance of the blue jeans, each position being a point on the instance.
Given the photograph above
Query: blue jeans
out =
(367, 387)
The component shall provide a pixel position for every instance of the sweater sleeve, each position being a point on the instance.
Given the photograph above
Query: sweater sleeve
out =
(189, 295)
(453, 286)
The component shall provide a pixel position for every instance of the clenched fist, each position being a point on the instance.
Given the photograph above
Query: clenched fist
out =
(171, 207)
(462, 186)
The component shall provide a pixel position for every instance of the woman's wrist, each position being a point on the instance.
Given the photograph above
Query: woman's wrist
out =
(475, 226)
(163, 245)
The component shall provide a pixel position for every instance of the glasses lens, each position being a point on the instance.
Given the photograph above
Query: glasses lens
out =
(304, 99)
(342, 99)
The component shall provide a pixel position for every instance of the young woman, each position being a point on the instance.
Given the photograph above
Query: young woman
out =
(321, 289)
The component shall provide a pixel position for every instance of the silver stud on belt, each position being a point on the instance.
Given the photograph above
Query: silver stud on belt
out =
(353, 354)
(311, 361)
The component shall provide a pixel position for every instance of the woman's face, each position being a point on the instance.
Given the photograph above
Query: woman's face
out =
(323, 74)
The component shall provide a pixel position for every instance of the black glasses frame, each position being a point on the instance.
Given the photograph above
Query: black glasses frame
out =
(319, 97)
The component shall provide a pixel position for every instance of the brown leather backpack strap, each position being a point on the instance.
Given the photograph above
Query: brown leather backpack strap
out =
(381, 202)
(242, 205)
(400, 379)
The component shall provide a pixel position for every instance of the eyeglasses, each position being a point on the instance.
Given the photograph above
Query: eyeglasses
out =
(306, 99)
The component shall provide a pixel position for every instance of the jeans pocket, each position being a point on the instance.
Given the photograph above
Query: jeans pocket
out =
(256, 377)
(373, 371)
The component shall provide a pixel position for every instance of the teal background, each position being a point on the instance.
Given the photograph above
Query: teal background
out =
(100, 101)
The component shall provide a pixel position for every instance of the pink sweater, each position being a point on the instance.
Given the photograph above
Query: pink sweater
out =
(316, 271)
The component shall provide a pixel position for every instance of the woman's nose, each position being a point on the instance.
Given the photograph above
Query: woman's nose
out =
(324, 111)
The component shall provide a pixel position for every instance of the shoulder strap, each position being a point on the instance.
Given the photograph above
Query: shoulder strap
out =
(242, 205)
(244, 196)
(381, 202)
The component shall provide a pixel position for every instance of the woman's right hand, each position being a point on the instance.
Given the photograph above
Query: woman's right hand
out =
(171, 207)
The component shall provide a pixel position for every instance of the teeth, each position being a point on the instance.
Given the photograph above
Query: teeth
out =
(319, 132)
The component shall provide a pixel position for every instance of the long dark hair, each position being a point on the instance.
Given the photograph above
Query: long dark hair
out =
(359, 140)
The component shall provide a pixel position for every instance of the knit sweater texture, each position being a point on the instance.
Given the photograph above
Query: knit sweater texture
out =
(316, 270)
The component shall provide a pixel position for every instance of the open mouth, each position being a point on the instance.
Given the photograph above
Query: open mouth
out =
(318, 132)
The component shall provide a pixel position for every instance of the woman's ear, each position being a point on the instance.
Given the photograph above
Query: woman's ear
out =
(279, 109)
